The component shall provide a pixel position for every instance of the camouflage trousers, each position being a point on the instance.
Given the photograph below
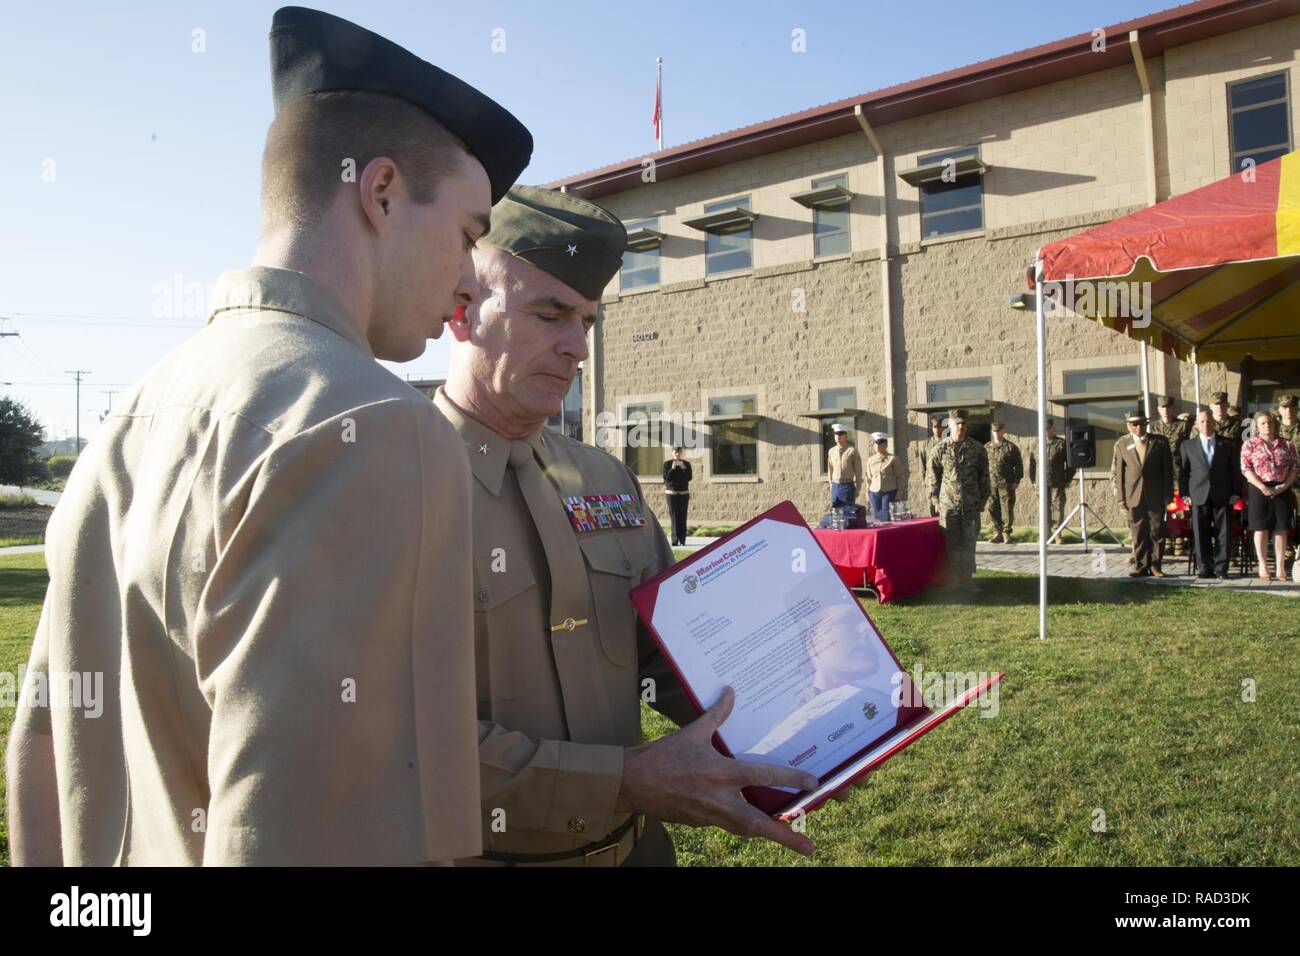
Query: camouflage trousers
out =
(1055, 507)
(1002, 509)
(960, 532)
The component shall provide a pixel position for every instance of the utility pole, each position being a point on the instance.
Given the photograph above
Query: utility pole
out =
(110, 395)
(77, 373)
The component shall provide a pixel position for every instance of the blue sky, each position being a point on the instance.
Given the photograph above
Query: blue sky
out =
(130, 178)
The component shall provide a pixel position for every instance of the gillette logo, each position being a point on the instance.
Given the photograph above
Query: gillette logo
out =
(837, 734)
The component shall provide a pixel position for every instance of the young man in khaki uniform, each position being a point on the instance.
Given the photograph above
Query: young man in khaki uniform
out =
(252, 553)
(561, 534)
(843, 468)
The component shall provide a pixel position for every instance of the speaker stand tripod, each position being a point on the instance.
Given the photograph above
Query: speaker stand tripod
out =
(1083, 509)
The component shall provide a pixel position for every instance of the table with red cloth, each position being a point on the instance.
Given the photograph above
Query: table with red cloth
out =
(895, 559)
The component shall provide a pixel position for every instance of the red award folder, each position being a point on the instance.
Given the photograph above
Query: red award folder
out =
(762, 610)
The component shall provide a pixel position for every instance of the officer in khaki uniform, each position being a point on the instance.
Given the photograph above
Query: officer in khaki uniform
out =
(561, 533)
(843, 468)
(253, 551)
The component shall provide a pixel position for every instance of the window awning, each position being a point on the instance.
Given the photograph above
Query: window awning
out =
(736, 417)
(825, 197)
(1083, 398)
(933, 172)
(724, 220)
(639, 240)
(970, 404)
(833, 413)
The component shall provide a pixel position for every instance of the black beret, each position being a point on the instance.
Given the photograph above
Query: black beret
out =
(314, 52)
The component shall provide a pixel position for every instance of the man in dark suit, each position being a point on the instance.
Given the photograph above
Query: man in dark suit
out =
(1209, 473)
(1143, 472)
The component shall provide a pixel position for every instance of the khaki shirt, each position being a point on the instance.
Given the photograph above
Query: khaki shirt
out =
(556, 708)
(884, 472)
(258, 536)
(843, 464)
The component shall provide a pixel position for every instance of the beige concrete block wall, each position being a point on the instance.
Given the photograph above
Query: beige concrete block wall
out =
(743, 336)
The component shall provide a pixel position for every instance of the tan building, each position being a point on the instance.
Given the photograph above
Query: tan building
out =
(855, 262)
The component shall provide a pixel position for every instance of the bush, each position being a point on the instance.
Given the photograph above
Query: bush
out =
(61, 465)
(8, 502)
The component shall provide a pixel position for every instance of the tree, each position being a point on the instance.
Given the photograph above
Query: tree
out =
(20, 434)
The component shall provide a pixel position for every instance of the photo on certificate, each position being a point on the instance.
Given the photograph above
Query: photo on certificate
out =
(764, 611)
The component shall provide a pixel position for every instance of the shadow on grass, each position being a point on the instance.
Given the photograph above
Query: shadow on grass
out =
(1022, 589)
(23, 586)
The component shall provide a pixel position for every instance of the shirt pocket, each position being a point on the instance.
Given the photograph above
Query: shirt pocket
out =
(616, 560)
(507, 651)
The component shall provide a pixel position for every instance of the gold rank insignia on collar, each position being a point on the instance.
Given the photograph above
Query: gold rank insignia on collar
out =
(598, 512)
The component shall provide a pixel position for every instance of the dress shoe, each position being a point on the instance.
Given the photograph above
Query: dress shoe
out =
(1157, 573)
(1139, 574)
(1206, 574)
(1221, 575)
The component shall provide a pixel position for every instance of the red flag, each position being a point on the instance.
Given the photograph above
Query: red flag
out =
(656, 113)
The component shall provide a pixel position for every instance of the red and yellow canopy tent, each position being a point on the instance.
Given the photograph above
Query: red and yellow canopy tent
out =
(1215, 273)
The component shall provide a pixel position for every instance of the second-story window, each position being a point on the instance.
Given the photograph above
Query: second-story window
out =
(728, 249)
(831, 222)
(641, 259)
(952, 201)
(1259, 120)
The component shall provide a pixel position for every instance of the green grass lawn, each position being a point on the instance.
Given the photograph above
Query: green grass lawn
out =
(1133, 706)
(22, 588)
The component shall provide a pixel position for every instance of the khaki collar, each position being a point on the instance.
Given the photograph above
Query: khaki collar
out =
(489, 451)
(282, 290)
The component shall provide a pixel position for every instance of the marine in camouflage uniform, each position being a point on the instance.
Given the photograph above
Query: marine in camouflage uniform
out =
(927, 457)
(1059, 476)
(1225, 426)
(1006, 471)
(1174, 431)
(959, 479)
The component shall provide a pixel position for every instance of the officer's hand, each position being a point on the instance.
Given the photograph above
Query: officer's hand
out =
(683, 778)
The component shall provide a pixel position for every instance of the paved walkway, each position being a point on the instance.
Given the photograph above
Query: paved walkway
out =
(1111, 561)
(41, 497)
(1099, 560)
(23, 549)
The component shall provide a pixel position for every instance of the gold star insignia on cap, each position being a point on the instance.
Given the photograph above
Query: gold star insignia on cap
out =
(572, 250)
(483, 448)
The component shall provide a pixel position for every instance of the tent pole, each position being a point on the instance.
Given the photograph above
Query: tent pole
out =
(1146, 384)
(1196, 379)
(1041, 479)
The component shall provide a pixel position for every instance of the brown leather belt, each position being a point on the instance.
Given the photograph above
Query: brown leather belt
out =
(610, 843)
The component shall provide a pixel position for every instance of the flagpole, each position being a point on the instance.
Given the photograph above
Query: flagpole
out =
(659, 90)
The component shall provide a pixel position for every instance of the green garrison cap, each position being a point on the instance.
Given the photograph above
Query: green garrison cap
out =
(957, 415)
(572, 239)
(315, 52)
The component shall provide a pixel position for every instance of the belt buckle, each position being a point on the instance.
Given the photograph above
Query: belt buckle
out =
(587, 857)
(638, 828)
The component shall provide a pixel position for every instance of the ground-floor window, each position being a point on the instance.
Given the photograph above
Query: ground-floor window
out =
(643, 451)
(735, 440)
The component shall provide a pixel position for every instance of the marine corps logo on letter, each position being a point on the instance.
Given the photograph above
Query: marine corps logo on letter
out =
(691, 583)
